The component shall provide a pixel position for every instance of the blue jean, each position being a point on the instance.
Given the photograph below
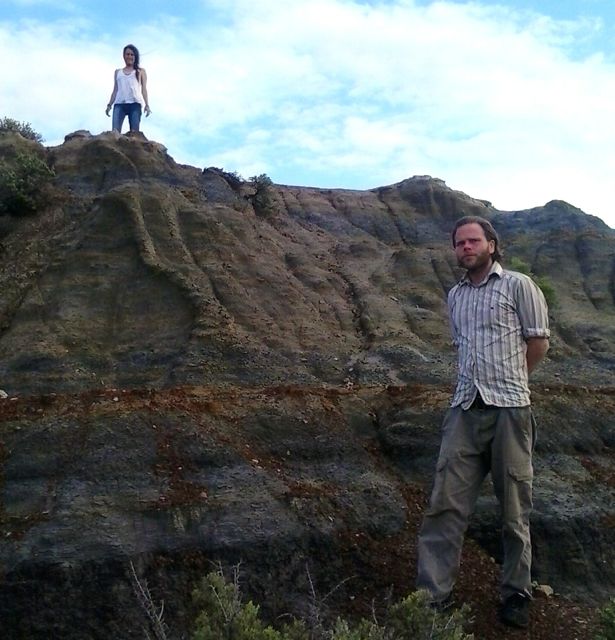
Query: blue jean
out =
(130, 109)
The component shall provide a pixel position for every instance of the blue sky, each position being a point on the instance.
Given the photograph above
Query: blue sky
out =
(512, 102)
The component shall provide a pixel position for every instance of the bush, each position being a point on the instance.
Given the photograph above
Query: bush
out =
(8, 125)
(547, 288)
(223, 615)
(413, 618)
(410, 619)
(544, 283)
(262, 200)
(516, 264)
(233, 178)
(262, 181)
(607, 622)
(22, 180)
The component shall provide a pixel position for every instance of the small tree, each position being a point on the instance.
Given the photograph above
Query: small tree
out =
(261, 200)
(22, 180)
(9, 125)
(544, 283)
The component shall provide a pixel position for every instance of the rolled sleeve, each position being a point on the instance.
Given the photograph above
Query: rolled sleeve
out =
(532, 309)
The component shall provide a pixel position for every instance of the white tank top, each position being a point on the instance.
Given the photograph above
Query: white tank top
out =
(128, 88)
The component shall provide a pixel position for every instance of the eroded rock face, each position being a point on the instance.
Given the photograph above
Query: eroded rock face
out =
(147, 272)
(198, 372)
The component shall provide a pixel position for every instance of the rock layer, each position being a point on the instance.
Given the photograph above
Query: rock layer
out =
(198, 371)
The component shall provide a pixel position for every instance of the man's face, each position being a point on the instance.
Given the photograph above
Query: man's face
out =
(472, 248)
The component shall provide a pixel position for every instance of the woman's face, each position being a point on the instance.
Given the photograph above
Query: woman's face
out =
(129, 57)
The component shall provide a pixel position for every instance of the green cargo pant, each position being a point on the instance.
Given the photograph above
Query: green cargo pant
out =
(475, 442)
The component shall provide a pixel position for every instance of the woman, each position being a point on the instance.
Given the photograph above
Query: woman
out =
(129, 95)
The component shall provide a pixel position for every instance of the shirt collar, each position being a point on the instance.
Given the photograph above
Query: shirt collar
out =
(495, 271)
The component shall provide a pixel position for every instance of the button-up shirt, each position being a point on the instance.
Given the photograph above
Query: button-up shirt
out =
(490, 323)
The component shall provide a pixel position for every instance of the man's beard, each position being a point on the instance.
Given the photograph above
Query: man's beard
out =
(477, 262)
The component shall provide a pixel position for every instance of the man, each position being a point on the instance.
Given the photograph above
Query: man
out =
(500, 326)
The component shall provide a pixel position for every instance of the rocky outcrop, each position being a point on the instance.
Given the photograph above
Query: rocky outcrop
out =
(197, 371)
(148, 272)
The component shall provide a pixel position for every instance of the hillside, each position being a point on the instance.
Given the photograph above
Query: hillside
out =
(201, 369)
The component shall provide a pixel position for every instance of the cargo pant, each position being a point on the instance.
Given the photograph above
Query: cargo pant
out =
(475, 442)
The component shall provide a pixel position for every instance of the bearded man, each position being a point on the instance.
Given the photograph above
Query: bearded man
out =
(500, 326)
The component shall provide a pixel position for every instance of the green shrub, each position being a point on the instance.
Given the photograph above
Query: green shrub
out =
(263, 181)
(223, 615)
(22, 180)
(261, 199)
(413, 619)
(547, 288)
(8, 125)
(607, 622)
(516, 264)
(410, 619)
(233, 178)
(365, 630)
(544, 283)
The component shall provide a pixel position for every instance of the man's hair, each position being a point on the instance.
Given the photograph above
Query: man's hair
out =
(490, 232)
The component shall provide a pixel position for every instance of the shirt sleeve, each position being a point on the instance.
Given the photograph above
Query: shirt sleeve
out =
(451, 303)
(532, 309)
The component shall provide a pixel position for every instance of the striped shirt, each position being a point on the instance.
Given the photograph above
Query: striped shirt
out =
(490, 323)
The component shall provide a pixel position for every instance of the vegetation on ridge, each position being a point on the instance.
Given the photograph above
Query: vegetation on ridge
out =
(9, 125)
(23, 174)
(262, 198)
(22, 182)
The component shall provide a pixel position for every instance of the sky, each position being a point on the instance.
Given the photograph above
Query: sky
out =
(511, 102)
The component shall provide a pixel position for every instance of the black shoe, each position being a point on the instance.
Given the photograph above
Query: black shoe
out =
(515, 611)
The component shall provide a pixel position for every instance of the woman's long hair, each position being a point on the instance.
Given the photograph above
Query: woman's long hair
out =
(136, 52)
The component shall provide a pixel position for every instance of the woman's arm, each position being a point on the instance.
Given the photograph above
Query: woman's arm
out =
(143, 79)
(113, 93)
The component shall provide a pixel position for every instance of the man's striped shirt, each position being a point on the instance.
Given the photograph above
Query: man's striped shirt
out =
(490, 323)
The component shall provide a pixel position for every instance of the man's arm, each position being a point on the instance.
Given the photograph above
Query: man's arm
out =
(536, 350)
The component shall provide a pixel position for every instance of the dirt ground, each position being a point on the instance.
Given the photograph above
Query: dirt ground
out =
(393, 565)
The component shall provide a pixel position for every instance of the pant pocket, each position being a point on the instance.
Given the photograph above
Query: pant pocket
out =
(438, 501)
(518, 494)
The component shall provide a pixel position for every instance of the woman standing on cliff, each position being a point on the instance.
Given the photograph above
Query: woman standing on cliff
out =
(129, 95)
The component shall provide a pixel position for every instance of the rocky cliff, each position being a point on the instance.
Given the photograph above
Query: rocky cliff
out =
(203, 369)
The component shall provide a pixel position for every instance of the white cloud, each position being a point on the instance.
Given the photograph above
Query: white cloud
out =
(491, 99)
